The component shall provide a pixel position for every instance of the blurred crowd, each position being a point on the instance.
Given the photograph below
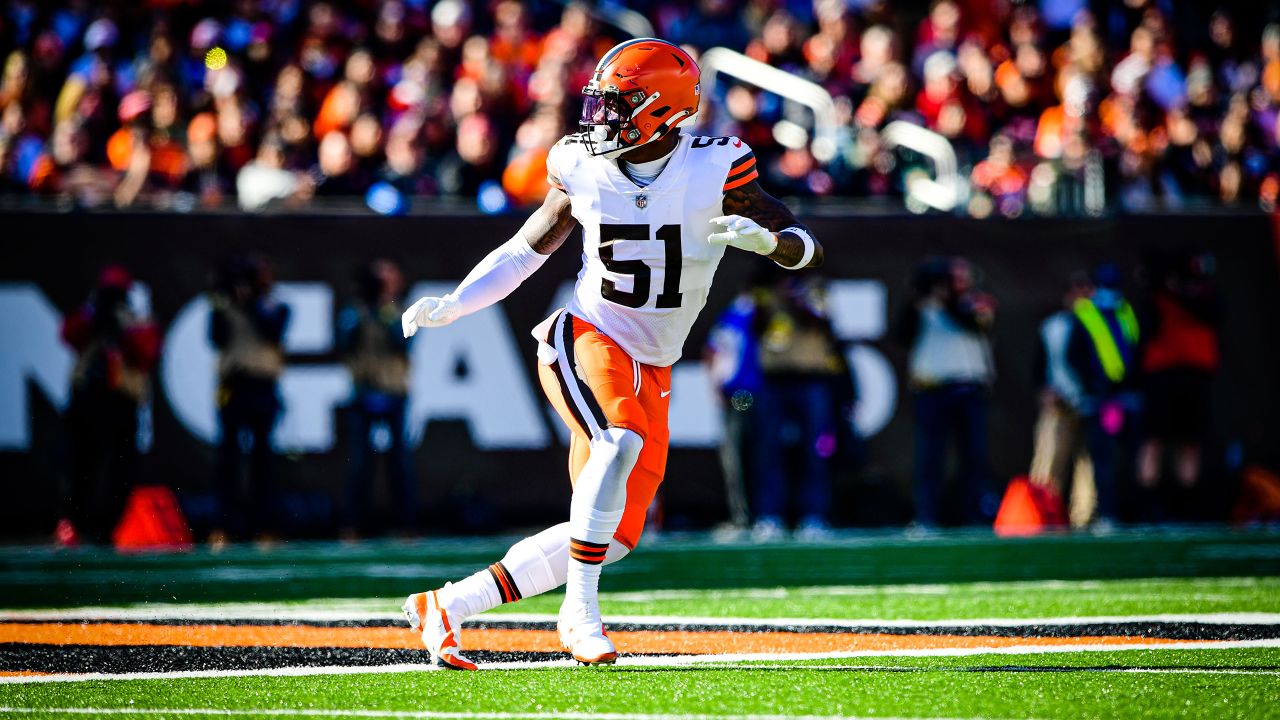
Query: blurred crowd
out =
(1055, 106)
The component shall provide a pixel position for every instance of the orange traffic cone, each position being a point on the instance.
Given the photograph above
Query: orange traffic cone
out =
(1259, 497)
(1028, 509)
(152, 520)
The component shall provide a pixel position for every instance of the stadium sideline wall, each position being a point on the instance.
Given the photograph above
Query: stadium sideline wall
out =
(491, 439)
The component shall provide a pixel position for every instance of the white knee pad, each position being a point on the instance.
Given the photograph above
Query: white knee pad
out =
(602, 484)
(625, 444)
(540, 563)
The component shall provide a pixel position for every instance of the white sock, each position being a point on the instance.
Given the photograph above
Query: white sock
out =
(537, 564)
(583, 585)
(470, 596)
(599, 499)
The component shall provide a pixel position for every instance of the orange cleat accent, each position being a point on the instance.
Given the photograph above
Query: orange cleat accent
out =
(427, 616)
(584, 638)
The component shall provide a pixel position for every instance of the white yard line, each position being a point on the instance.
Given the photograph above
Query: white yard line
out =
(269, 612)
(782, 593)
(1029, 669)
(366, 608)
(201, 612)
(663, 661)
(1212, 618)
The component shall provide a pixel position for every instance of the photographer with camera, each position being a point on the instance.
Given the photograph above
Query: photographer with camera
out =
(377, 353)
(947, 327)
(117, 346)
(247, 326)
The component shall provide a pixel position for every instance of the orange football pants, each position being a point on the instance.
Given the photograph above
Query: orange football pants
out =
(594, 384)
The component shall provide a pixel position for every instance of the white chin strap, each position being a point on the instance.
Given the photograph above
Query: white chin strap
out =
(599, 135)
(617, 152)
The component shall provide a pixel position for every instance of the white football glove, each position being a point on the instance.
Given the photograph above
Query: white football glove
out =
(430, 312)
(745, 233)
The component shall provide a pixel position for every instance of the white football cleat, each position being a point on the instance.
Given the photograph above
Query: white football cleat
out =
(439, 634)
(582, 634)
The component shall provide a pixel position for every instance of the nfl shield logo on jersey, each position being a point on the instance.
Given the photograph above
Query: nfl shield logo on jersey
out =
(642, 201)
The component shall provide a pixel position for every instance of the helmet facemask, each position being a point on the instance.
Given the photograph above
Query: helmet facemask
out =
(606, 120)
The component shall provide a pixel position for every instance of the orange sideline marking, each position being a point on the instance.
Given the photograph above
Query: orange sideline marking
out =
(516, 640)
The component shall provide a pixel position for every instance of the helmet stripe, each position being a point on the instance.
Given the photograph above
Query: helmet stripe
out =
(670, 123)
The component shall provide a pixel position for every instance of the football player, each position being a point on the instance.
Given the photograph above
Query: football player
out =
(657, 209)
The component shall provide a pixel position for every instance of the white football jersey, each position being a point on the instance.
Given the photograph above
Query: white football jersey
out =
(646, 263)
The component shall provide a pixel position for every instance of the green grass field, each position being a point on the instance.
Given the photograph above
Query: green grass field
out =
(1221, 684)
(1179, 577)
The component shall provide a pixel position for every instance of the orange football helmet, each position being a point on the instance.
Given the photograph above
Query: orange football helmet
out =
(641, 90)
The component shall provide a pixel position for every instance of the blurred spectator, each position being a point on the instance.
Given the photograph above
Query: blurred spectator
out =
(1180, 357)
(247, 326)
(474, 160)
(117, 346)
(1060, 460)
(1102, 351)
(778, 44)
(207, 179)
(366, 146)
(525, 178)
(733, 357)
(1000, 186)
(711, 23)
(948, 108)
(376, 352)
(947, 326)
(796, 172)
(938, 34)
(803, 370)
(78, 180)
(404, 161)
(344, 101)
(337, 167)
(514, 43)
(1099, 103)
(265, 179)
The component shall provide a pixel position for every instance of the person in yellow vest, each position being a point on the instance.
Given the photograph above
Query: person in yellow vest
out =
(1060, 460)
(1102, 352)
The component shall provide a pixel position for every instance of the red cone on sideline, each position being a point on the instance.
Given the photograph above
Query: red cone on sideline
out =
(1029, 509)
(1259, 497)
(152, 520)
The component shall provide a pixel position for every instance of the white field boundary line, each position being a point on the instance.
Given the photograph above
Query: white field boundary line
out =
(302, 615)
(1209, 618)
(358, 608)
(425, 714)
(658, 661)
(1028, 669)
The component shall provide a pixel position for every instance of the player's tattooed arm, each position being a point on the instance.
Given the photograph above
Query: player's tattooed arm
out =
(752, 201)
(549, 226)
